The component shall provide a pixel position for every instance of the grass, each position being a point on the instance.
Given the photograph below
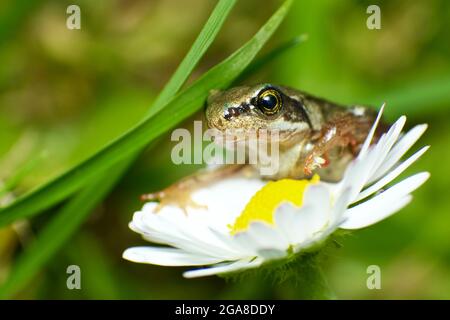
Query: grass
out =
(95, 177)
(177, 109)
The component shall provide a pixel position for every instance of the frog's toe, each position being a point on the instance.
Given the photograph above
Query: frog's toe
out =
(173, 197)
(314, 162)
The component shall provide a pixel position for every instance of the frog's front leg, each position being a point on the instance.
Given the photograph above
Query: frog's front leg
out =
(179, 193)
(344, 130)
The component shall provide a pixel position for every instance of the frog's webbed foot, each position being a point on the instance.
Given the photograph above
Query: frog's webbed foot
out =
(340, 132)
(314, 162)
(180, 193)
(175, 195)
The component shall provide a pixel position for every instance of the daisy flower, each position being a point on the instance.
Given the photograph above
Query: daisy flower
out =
(247, 222)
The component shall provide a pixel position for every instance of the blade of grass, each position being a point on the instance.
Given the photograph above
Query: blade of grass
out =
(70, 217)
(28, 205)
(49, 240)
(21, 173)
(198, 49)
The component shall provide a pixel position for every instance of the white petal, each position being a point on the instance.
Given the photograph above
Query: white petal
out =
(357, 174)
(340, 208)
(366, 165)
(202, 235)
(156, 231)
(384, 204)
(361, 218)
(192, 232)
(167, 257)
(225, 200)
(223, 268)
(158, 226)
(400, 148)
(300, 224)
(389, 139)
(229, 239)
(318, 197)
(284, 220)
(391, 175)
(260, 237)
(360, 171)
(153, 225)
(369, 137)
(195, 237)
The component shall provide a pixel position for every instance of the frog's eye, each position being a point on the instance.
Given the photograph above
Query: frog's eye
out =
(269, 101)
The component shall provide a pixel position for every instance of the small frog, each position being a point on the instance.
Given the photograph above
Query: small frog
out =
(315, 135)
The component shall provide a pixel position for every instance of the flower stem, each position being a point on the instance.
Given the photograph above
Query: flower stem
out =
(298, 278)
(310, 281)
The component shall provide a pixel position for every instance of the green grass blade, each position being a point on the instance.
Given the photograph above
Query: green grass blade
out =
(21, 173)
(70, 217)
(57, 231)
(202, 43)
(76, 211)
(205, 38)
(183, 105)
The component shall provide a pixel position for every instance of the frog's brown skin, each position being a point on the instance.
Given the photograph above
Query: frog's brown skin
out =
(310, 128)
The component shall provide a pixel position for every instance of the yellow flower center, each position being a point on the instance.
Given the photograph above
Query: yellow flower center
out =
(262, 205)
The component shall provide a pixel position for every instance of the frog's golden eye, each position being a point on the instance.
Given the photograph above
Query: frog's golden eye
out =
(269, 101)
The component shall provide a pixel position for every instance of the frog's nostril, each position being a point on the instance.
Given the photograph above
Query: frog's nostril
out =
(215, 122)
(227, 114)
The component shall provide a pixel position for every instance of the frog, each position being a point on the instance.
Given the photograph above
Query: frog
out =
(316, 136)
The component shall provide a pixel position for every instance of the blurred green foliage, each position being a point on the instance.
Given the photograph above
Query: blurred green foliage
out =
(65, 93)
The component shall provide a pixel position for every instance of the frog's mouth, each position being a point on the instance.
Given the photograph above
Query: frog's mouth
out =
(229, 136)
(242, 136)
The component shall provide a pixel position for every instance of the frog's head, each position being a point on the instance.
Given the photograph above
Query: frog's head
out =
(262, 106)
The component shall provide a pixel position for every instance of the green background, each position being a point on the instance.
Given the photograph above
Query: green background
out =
(66, 93)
